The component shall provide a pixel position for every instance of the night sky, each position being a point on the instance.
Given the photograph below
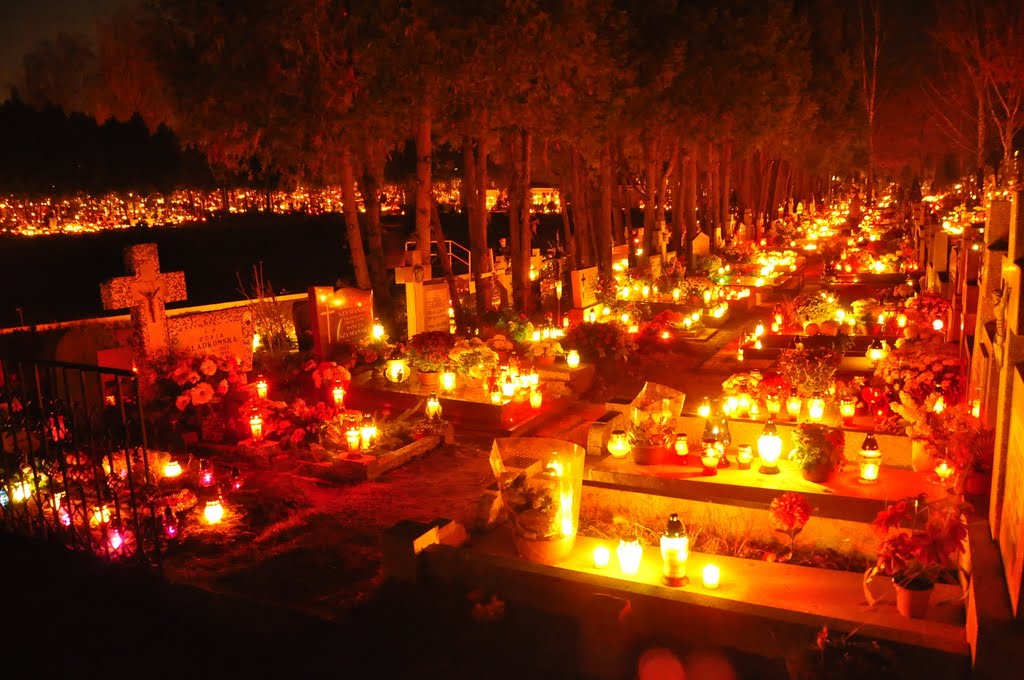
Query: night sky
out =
(23, 23)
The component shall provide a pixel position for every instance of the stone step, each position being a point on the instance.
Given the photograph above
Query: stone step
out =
(774, 610)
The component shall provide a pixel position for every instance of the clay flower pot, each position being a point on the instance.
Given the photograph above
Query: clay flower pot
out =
(913, 602)
(818, 474)
(544, 361)
(428, 378)
(654, 455)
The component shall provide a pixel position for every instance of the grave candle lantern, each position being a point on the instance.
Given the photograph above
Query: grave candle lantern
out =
(170, 523)
(901, 320)
(710, 460)
(592, 315)
(256, 426)
(744, 456)
(377, 332)
(704, 410)
(743, 404)
(213, 513)
(602, 556)
(536, 399)
(940, 404)
(773, 405)
(676, 294)
(533, 380)
(618, 444)
(876, 351)
(508, 388)
(793, 406)
(433, 408)
(338, 395)
(353, 437)
(558, 289)
(367, 432)
(976, 408)
(675, 549)
(206, 470)
(448, 381)
(943, 471)
(755, 409)
(114, 536)
(682, 445)
(847, 409)
(172, 469)
(711, 576)
(769, 448)
(100, 515)
(870, 460)
(496, 397)
(630, 553)
(262, 388)
(816, 409)
(938, 325)
(572, 359)
(397, 370)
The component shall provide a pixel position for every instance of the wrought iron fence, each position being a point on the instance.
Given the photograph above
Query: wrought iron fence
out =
(73, 459)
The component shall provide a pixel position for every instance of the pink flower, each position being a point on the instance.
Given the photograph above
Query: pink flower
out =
(208, 367)
(222, 388)
(201, 394)
(182, 401)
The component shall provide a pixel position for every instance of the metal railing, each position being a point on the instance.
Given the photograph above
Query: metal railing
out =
(73, 459)
(453, 250)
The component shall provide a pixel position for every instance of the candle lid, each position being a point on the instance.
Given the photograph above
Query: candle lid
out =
(674, 529)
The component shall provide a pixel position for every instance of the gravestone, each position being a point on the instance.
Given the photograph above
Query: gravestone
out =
(436, 303)
(339, 317)
(584, 287)
(656, 267)
(145, 293)
(620, 253)
(701, 245)
(222, 333)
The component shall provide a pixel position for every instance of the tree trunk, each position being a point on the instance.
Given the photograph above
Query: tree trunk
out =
(524, 220)
(477, 236)
(446, 266)
(712, 196)
(373, 174)
(423, 185)
(725, 184)
(351, 211)
(604, 215)
(689, 206)
(651, 195)
(519, 219)
(676, 242)
(567, 235)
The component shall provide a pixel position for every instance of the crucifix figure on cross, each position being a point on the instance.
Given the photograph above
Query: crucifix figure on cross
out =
(145, 292)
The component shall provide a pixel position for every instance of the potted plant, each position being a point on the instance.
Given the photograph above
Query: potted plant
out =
(473, 360)
(653, 440)
(502, 346)
(544, 352)
(428, 353)
(809, 371)
(818, 451)
(922, 544)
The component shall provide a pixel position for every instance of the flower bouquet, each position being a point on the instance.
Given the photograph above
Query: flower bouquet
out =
(194, 394)
(919, 367)
(818, 450)
(544, 352)
(502, 346)
(788, 515)
(597, 341)
(473, 359)
(652, 438)
(428, 352)
(922, 542)
(809, 371)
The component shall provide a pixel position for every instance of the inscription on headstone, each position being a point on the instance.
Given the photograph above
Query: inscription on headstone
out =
(584, 287)
(339, 316)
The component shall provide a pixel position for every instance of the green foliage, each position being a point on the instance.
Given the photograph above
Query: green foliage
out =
(818, 445)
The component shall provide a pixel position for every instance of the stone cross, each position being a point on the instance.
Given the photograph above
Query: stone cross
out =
(144, 293)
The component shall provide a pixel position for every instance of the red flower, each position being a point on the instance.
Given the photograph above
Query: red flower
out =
(789, 512)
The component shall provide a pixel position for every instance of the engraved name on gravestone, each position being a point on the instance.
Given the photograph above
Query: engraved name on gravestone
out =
(584, 287)
(342, 316)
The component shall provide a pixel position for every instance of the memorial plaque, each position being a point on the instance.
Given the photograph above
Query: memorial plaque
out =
(221, 333)
(436, 302)
(340, 316)
(584, 287)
